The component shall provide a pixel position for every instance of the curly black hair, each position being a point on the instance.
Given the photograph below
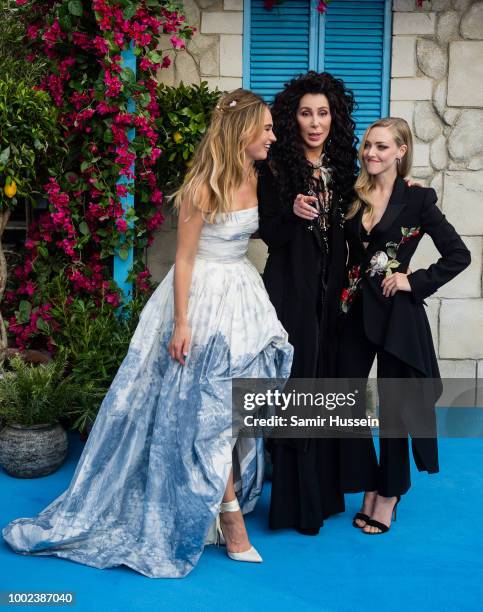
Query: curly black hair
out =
(287, 154)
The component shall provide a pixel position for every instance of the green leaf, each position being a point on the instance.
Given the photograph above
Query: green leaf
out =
(108, 135)
(42, 325)
(75, 8)
(394, 264)
(144, 99)
(65, 23)
(43, 251)
(128, 75)
(155, 57)
(4, 155)
(391, 252)
(129, 11)
(124, 253)
(23, 312)
(84, 228)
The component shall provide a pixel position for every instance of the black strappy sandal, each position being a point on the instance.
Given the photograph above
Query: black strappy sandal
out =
(361, 517)
(383, 528)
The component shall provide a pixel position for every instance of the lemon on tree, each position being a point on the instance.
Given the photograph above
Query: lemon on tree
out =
(10, 188)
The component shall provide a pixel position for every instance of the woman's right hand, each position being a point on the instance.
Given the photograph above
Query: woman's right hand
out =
(180, 342)
(303, 207)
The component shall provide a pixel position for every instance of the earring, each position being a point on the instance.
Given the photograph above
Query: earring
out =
(398, 161)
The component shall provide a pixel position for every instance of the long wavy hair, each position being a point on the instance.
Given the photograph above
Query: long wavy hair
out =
(288, 159)
(219, 162)
(365, 182)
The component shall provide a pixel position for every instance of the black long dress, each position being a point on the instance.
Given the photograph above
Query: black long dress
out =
(304, 280)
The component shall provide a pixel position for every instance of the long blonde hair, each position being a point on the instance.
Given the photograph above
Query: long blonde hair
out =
(219, 162)
(365, 182)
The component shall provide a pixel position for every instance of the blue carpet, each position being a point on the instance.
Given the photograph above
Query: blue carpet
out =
(432, 558)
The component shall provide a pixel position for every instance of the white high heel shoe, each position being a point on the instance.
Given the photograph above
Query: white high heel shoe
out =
(251, 555)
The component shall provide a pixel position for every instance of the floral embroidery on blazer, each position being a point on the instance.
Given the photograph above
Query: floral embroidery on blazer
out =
(382, 262)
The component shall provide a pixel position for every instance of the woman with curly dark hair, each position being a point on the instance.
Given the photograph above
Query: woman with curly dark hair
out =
(313, 161)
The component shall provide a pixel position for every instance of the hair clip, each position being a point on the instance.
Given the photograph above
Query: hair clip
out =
(232, 103)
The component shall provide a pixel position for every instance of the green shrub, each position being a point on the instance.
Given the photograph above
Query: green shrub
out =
(30, 139)
(14, 54)
(95, 339)
(185, 114)
(38, 394)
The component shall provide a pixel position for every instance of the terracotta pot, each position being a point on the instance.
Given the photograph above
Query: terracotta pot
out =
(30, 452)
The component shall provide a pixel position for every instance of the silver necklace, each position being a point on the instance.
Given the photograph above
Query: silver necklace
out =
(318, 164)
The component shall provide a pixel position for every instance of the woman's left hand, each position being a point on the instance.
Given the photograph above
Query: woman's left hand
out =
(396, 282)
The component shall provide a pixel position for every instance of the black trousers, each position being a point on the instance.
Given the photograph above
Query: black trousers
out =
(355, 358)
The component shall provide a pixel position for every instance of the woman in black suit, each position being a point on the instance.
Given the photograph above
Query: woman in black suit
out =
(304, 275)
(384, 309)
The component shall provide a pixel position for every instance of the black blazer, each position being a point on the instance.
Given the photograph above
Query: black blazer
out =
(292, 278)
(399, 323)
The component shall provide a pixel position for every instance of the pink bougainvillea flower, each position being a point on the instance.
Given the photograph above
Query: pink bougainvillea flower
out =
(177, 42)
(33, 31)
(156, 197)
(82, 40)
(100, 44)
(29, 288)
(105, 109)
(113, 299)
(155, 221)
(121, 190)
(155, 153)
(121, 225)
(146, 64)
(113, 85)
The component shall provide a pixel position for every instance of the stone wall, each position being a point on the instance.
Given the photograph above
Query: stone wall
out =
(436, 85)
(215, 52)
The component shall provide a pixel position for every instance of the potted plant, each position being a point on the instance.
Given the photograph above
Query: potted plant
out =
(32, 400)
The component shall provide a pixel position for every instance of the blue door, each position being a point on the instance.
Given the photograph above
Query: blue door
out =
(352, 41)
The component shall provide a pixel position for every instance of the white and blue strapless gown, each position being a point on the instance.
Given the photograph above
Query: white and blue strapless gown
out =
(149, 483)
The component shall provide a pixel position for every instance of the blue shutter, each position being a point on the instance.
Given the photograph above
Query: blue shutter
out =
(279, 46)
(352, 41)
(354, 50)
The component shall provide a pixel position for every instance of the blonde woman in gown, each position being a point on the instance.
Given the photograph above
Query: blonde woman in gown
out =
(160, 466)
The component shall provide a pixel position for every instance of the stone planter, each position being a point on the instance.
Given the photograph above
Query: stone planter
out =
(30, 452)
